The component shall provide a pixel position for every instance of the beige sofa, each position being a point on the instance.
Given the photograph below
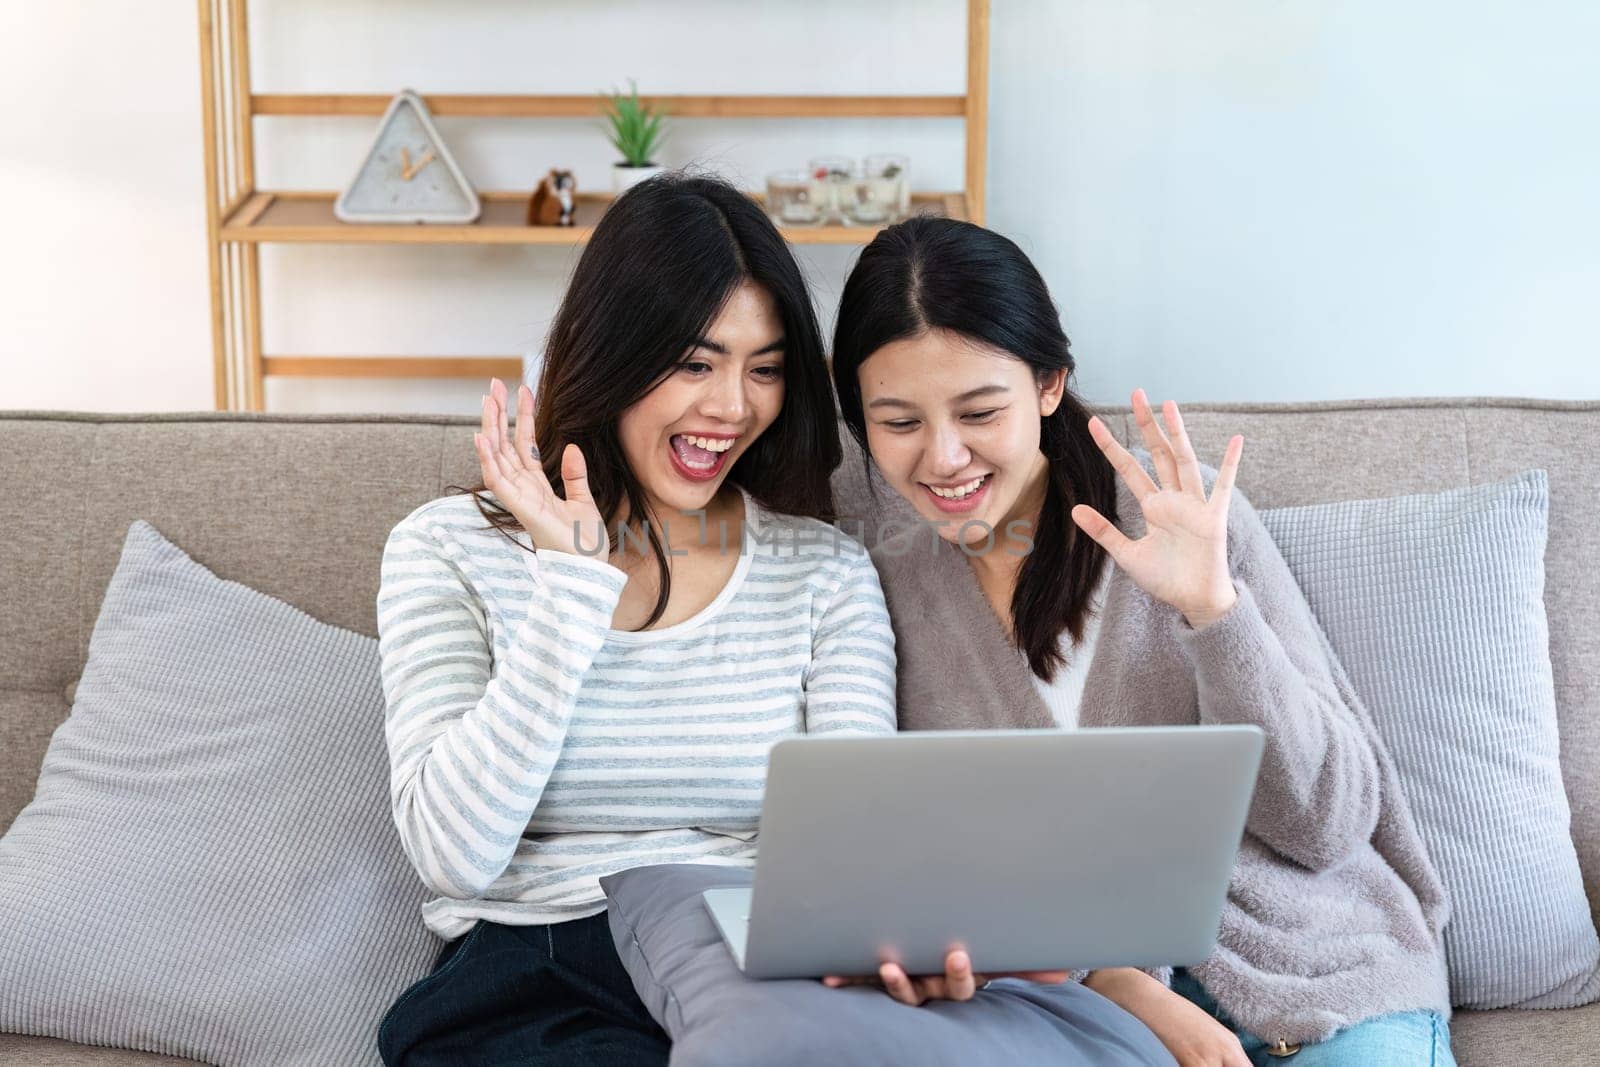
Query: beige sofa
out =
(299, 506)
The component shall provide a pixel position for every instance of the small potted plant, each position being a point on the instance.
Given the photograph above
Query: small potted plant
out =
(635, 130)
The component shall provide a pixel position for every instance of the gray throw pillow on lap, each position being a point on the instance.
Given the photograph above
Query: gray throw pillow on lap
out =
(716, 1016)
(1435, 606)
(208, 867)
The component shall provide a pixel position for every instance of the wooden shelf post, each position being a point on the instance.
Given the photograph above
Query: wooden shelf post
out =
(977, 110)
(235, 268)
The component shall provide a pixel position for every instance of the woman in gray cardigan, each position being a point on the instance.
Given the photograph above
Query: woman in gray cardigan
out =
(1073, 583)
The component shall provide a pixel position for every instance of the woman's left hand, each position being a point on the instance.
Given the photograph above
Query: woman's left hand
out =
(1183, 557)
(1193, 1035)
(957, 983)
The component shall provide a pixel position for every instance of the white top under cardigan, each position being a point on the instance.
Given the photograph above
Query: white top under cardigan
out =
(1063, 693)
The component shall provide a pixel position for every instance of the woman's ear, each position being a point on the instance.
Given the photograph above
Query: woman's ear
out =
(1052, 385)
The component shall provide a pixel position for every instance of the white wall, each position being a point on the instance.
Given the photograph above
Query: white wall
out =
(103, 284)
(1246, 199)
(1277, 199)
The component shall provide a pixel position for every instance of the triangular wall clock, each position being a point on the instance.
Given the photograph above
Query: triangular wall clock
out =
(408, 174)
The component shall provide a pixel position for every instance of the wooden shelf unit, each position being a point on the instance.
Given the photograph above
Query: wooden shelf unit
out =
(307, 218)
(240, 217)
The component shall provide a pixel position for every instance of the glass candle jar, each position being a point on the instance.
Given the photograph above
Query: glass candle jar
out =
(794, 199)
(894, 171)
(871, 201)
(834, 175)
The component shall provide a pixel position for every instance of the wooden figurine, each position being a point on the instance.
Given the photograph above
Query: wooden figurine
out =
(552, 203)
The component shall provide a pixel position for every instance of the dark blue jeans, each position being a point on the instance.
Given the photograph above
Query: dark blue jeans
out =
(524, 995)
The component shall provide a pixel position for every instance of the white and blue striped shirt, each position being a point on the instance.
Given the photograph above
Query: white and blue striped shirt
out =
(534, 750)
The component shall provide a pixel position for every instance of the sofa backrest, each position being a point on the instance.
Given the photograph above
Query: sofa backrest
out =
(299, 506)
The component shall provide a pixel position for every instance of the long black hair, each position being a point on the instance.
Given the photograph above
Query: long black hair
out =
(659, 267)
(931, 273)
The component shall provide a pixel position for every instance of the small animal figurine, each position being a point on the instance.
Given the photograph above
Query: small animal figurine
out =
(552, 203)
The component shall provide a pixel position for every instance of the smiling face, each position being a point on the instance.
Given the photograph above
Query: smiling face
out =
(955, 427)
(683, 436)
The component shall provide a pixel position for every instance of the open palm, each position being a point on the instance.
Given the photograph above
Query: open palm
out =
(1182, 559)
(511, 470)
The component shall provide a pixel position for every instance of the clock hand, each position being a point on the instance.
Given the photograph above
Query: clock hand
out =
(410, 169)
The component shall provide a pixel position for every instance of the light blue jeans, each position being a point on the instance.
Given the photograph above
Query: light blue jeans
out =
(1404, 1039)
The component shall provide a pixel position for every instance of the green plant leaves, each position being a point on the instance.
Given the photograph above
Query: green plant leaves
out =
(634, 129)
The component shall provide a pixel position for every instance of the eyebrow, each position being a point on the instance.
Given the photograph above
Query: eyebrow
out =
(970, 394)
(722, 349)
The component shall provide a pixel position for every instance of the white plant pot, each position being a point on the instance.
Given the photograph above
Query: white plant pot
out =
(624, 177)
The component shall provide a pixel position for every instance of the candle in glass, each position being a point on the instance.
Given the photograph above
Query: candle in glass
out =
(833, 175)
(793, 199)
(870, 201)
(895, 171)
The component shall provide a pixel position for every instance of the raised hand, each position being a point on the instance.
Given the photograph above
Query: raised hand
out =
(1183, 557)
(511, 471)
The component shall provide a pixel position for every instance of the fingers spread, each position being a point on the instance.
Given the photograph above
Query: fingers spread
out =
(1136, 477)
(1183, 451)
(1098, 527)
(1155, 441)
(1228, 473)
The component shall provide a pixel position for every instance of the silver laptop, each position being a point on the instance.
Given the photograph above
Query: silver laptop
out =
(1031, 849)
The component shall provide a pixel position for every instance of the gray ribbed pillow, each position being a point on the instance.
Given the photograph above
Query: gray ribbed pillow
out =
(1435, 605)
(208, 867)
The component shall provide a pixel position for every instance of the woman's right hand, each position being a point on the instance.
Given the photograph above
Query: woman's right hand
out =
(958, 982)
(512, 472)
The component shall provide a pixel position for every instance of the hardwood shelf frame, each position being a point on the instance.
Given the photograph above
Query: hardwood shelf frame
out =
(240, 218)
(506, 106)
(298, 217)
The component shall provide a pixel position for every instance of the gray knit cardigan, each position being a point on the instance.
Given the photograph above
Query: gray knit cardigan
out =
(1334, 912)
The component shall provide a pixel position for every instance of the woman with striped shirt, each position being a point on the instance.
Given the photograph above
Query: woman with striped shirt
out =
(586, 657)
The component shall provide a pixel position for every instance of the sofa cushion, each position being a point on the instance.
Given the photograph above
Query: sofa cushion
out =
(208, 867)
(19, 1050)
(48, 509)
(1435, 605)
(27, 718)
(1511, 1037)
